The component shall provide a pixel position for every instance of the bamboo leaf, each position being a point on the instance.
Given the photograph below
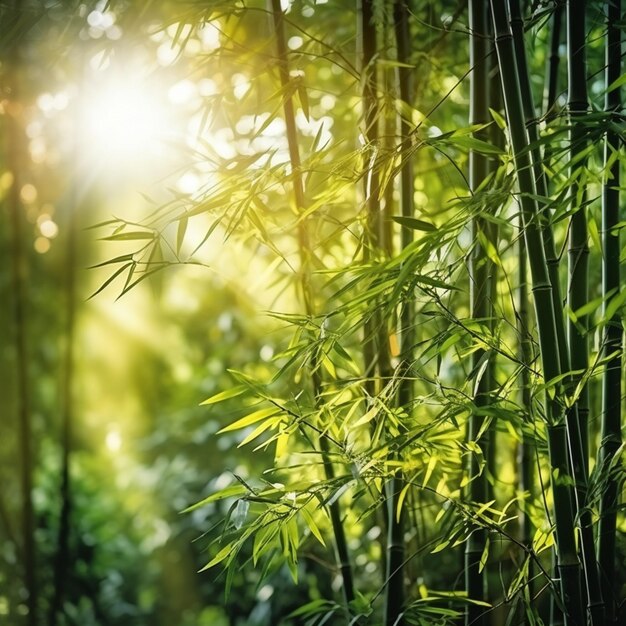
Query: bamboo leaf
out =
(228, 492)
(225, 395)
(180, 233)
(248, 420)
(219, 557)
(413, 222)
(310, 522)
(401, 498)
(130, 236)
(111, 278)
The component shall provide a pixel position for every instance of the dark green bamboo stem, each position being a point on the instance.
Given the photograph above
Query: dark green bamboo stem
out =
(613, 334)
(475, 579)
(577, 297)
(525, 449)
(578, 247)
(531, 121)
(547, 319)
(367, 53)
(568, 563)
(551, 89)
(394, 597)
(341, 543)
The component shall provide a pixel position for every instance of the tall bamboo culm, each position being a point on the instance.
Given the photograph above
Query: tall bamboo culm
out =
(577, 415)
(547, 318)
(611, 437)
(475, 579)
(341, 544)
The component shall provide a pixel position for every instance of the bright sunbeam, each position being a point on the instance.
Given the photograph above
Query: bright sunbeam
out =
(124, 123)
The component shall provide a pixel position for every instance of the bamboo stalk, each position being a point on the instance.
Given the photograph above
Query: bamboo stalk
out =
(341, 544)
(547, 319)
(62, 557)
(475, 579)
(613, 334)
(394, 597)
(15, 161)
(531, 121)
(554, 60)
(578, 247)
(577, 418)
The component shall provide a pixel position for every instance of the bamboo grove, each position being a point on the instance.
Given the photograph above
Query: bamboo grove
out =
(441, 218)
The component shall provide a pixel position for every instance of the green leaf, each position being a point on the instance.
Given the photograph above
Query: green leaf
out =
(413, 222)
(228, 492)
(225, 395)
(130, 236)
(111, 278)
(310, 522)
(180, 233)
(219, 557)
(252, 418)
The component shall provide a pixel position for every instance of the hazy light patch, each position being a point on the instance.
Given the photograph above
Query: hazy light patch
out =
(41, 245)
(167, 54)
(182, 92)
(209, 36)
(100, 61)
(28, 194)
(241, 85)
(47, 227)
(222, 143)
(123, 121)
(188, 183)
(113, 441)
(266, 353)
(328, 102)
(207, 87)
(295, 42)
(265, 593)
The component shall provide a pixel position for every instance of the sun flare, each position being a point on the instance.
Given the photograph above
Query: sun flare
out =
(124, 123)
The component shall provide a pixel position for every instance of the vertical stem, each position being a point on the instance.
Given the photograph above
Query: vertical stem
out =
(394, 599)
(577, 297)
(62, 557)
(15, 162)
(475, 580)
(554, 59)
(613, 334)
(547, 318)
(531, 122)
(341, 543)
(578, 247)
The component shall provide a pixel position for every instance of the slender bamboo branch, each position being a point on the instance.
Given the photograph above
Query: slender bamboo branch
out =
(341, 543)
(613, 334)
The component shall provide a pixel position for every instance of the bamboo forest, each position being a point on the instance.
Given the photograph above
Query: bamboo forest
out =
(312, 313)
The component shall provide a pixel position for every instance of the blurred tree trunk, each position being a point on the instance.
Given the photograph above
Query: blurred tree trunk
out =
(16, 161)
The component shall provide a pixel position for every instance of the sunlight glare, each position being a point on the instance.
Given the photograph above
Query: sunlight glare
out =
(113, 441)
(123, 122)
